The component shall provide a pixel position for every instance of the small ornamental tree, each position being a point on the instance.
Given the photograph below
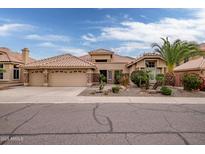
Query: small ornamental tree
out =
(160, 79)
(102, 82)
(140, 78)
(118, 76)
(191, 82)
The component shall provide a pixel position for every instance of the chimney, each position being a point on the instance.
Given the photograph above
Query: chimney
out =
(25, 55)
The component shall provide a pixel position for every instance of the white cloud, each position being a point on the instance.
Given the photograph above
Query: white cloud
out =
(191, 29)
(74, 51)
(49, 37)
(128, 47)
(143, 16)
(63, 49)
(89, 37)
(7, 29)
(47, 45)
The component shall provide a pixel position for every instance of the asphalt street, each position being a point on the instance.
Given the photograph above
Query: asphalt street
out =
(102, 123)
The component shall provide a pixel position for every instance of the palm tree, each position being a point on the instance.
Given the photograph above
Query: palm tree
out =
(174, 53)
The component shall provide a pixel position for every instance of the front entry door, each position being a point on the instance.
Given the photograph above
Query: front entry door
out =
(152, 75)
(151, 67)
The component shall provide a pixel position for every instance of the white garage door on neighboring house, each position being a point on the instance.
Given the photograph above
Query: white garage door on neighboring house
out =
(65, 78)
(36, 78)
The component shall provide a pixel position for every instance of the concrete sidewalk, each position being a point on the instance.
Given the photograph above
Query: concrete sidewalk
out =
(85, 99)
(70, 95)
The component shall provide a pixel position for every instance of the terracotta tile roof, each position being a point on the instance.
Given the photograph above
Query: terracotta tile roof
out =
(119, 58)
(86, 57)
(115, 58)
(61, 61)
(202, 46)
(101, 51)
(146, 55)
(6, 55)
(196, 64)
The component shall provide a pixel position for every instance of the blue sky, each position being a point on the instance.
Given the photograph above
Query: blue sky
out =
(48, 32)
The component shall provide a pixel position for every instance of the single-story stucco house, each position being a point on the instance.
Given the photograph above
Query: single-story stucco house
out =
(12, 63)
(69, 70)
(195, 65)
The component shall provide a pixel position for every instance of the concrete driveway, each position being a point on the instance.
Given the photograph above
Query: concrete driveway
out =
(39, 94)
(69, 95)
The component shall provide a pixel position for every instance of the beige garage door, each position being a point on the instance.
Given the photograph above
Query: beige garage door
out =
(67, 78)
(36, 78)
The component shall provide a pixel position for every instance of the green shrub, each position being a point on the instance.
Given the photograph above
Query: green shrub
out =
(102, 78)
(160, 79)
(115, 89)
(118, 76)
(191, 82)
(102, 82)
(140, 78)
(166, 91)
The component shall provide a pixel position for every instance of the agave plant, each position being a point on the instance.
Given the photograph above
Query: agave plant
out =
(176, 52)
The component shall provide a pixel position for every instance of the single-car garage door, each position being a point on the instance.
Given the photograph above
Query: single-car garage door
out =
(36, 78)
(67, 78)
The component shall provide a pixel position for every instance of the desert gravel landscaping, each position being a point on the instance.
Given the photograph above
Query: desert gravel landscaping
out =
(139, 92)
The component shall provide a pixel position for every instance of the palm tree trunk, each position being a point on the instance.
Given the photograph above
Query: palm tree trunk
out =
(170, 68)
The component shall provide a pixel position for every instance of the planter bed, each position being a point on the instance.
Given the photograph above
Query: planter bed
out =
(137, 92)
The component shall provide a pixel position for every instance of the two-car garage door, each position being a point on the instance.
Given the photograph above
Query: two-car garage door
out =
(70, 78)
(60, 78)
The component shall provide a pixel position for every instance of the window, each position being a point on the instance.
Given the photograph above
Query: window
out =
(101, 60)
(109, 75)
(1, 74)
(16, 74)
(150, 64)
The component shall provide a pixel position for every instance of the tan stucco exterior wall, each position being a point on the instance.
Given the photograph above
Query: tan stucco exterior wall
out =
(160, 66)
(141, 64)
(8, 74)
(111, 66)
(97, 57)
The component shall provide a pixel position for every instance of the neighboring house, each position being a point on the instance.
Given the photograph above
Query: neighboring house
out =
(12, 63)
(195, 65)
(68, 70)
